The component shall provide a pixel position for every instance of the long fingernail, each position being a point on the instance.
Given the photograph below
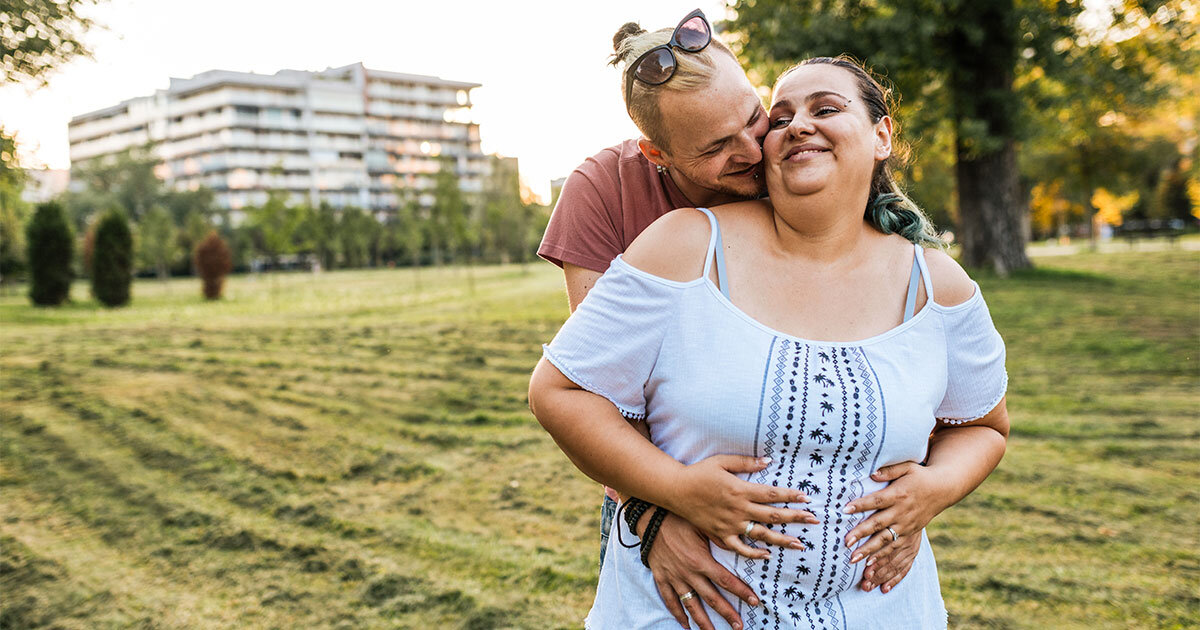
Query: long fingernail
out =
(870, 560)
(849, 509)
(795, 544)
(855, 558)
(850, 541)
(754, 601)
(764, 460)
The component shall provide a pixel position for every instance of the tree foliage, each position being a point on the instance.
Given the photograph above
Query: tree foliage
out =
(13, 211)
(38, 35)
(112, 260)
(975, 76)
(49, 244)
(158, 242)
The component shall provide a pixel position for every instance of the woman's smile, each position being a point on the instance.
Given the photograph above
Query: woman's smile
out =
(802, 152)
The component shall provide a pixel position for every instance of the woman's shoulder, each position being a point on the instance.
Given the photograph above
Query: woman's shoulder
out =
(673, 246)
(951, 284)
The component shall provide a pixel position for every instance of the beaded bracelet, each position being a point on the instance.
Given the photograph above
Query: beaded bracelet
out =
(634, 508)
(637, 508)
(651, 532)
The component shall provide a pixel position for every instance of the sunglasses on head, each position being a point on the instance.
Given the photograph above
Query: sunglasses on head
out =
(657, 65)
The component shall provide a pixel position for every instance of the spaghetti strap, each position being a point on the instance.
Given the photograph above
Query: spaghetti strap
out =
(928, 280)
(717, 248)
(910, 303)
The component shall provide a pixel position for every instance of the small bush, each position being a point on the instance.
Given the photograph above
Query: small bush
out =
(112, 260)
(49, 246)
(213, 261)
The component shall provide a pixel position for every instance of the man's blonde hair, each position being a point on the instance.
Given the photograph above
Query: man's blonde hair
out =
(692, 72)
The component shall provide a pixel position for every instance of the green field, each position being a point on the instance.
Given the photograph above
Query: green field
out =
(353, 450)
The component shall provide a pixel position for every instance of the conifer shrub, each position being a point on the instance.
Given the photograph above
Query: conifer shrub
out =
(49, 248)
(213, 261)
(112, 260)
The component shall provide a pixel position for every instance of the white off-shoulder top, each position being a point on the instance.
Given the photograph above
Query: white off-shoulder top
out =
(709, 379)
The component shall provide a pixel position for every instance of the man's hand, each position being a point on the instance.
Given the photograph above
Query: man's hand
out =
(682, 562)
(914, 496)
(892, 568)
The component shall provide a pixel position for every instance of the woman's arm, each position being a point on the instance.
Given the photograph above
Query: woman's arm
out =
(960, 457)
(592, 433)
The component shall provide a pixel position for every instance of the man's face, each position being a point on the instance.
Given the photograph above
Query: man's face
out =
(716, 133)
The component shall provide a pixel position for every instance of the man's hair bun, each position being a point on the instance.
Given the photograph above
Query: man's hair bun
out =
(627, 30)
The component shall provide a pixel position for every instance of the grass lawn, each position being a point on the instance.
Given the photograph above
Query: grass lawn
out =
(353, 450)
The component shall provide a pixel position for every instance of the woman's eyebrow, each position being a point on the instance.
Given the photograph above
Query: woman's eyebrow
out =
(807, 99)
(816, 95)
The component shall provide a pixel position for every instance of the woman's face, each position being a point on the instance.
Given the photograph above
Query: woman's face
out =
(821, 137)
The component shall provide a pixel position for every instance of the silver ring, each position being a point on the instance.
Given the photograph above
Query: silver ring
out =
(749, 526)
(687, 596)
(895, 537)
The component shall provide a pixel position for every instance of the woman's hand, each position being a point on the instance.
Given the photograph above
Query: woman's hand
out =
(914, 496)
(710, 496)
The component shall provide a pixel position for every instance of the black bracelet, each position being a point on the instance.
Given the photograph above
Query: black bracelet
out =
(634, 506)
(651, 532)
(637, 508)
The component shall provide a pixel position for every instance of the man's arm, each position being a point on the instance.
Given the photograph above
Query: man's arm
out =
(580, 280)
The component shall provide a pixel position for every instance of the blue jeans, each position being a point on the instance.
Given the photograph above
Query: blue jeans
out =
(607, 512)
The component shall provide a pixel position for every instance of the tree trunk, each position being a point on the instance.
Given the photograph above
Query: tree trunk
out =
(984, 49)
(989, 211)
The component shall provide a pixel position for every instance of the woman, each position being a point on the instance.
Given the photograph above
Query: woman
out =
(805, 330)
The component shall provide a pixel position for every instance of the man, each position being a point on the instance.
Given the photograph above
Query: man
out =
(703, 128)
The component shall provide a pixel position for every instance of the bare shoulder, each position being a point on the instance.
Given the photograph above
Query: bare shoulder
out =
(673, 246)
(951, 284)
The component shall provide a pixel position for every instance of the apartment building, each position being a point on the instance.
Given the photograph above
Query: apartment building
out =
(349, 136)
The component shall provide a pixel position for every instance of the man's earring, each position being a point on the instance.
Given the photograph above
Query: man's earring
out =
(661, 168)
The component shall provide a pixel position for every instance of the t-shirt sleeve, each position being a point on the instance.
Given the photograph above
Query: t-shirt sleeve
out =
(977, 378)
(582, 229)
(611, 343)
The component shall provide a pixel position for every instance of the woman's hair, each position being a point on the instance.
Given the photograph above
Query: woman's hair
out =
(692, 71)
(888, 208)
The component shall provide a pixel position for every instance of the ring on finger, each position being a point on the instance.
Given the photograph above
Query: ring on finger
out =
(895, 536)
(749, 526)
(687, 596)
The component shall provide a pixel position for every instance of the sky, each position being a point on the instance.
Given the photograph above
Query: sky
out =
(548, 96)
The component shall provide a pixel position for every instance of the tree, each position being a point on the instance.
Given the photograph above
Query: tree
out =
(277, 225)
(410, 227)
(112, 261)
(195, 228)
(356, 232)
(158, 241)
(13, 211)
(448, 221)
(39, 35)
(49, 245)
(213, 262)
(957, 62)
(1105, 123)
(320, 233)
(126, 179)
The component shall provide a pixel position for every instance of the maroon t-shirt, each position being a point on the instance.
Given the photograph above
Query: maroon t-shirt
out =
(604, 205)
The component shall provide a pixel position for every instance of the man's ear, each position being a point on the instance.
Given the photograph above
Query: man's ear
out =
(653, 153)
(883, 138)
